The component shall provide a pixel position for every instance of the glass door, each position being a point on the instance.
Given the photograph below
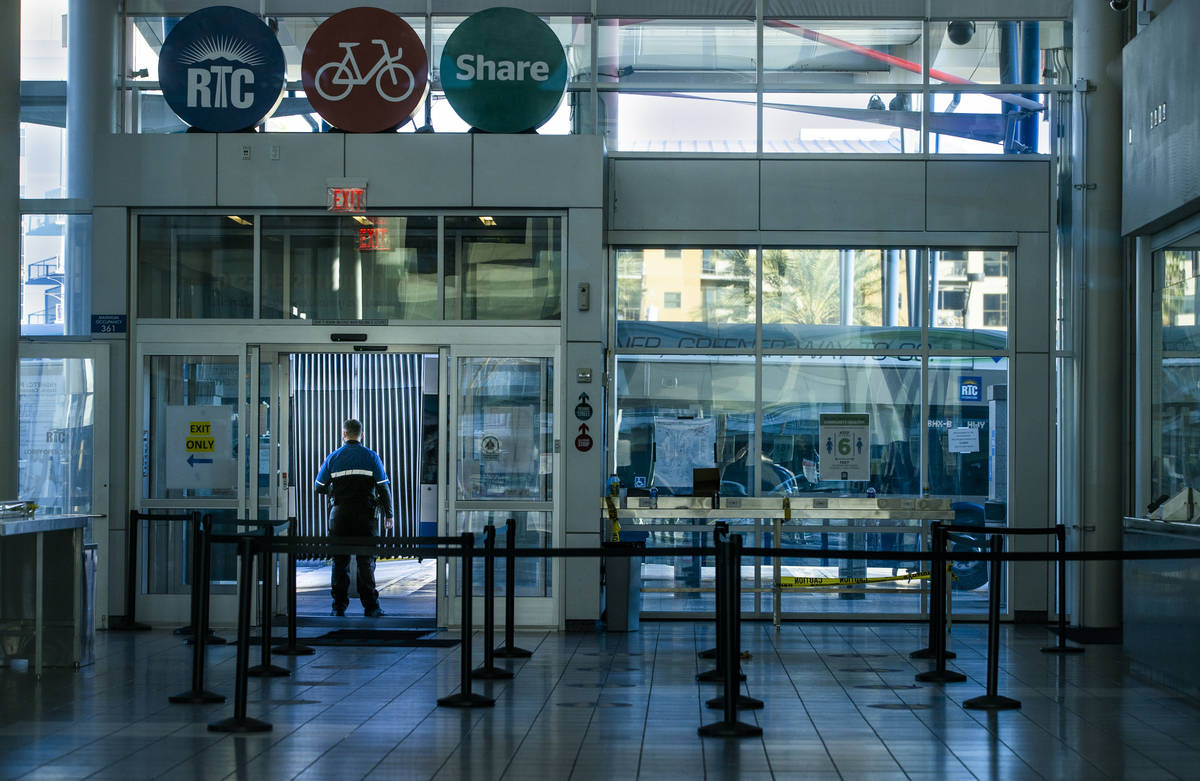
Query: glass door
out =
(190, 418)
(64, 417)
(504, 465)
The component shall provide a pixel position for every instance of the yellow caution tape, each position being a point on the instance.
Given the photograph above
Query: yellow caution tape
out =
(612, 516)
(792, 582)
(787, 509)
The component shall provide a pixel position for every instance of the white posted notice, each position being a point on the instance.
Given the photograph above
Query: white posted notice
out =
(845, 447)
(198, 444)
(963, 439)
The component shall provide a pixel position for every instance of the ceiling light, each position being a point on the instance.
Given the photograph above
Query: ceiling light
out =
(361, 220)
(488, 221)
(240, 220)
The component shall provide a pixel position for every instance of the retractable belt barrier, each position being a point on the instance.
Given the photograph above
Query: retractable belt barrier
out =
(728, 550)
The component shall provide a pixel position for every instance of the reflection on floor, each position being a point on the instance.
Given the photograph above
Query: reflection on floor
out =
(407, 589)
(840, 703)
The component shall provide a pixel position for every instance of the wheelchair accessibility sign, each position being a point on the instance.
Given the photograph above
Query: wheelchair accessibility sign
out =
(845, 445)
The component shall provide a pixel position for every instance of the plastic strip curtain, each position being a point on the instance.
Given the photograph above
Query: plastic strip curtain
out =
(383, 391)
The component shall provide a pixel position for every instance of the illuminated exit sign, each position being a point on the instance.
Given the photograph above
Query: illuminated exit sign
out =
(373, 239)
(346, 196)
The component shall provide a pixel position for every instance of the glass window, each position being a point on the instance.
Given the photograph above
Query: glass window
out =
(679, 121)
(355, 268)
(838, 297)
(968, 429)
(832, 122)
(56, 425)
(190, 419)
(56, 274)
(971, 306)
(43, 98)
(973, 123)
(676, 53)
(505, 429)
(503, 268)
(715, 289)
(977, 51)
(679, 413)
(1175, 375)
(195, 267)
(840, 53)
(798, 390)
(672, 300)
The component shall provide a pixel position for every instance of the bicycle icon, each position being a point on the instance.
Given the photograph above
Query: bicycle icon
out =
(348, 75)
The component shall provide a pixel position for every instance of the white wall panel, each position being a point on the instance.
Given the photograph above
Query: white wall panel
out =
(679, 194)
(538, 171)
(1031, 471)
(1010, 9)
(297, 177)
(412, 170)
(110, 262)
(968, 195)
(581, 580)
(585, 265)
(1031, 315)
(843, 195)
(156, 170)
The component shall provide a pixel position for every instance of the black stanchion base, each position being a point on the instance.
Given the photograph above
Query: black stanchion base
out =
(940, 676)
(210, 640)
(715, 676)
(268, 671)
(470, 700)
(239, 725)
(992, 702)
(122, 625)
(491, 673)
(193, 697)
(511, 652)
(929, 653)
(737, 729)
(743, 703)
(1062, 649)
(294, 650)
(709, 653)
(186, 631)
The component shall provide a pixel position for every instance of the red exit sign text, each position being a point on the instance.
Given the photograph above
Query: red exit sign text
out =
(347, 199)
(373, 239)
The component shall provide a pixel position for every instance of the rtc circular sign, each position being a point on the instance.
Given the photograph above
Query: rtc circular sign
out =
(222, 69)
(365, 70)
(504, 71)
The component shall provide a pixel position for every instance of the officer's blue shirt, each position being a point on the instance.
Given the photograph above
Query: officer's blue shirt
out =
(354, 475)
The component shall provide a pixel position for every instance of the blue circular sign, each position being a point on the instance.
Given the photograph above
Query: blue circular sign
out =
(222, 69)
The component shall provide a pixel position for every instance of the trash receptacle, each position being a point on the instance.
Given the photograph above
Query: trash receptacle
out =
(623, 586)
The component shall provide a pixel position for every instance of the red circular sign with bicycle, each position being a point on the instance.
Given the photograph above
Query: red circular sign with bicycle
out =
(365, 70)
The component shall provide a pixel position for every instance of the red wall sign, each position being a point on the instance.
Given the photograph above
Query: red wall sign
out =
(365, 70)
(373, 239)
(346, 199)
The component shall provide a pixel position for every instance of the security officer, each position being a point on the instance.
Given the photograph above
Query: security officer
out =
(353, 475)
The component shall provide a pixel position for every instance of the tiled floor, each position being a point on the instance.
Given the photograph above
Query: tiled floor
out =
(840, 699)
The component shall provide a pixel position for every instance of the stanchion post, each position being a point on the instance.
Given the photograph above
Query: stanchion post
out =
(937, 625)
(733, 635)
(198, 695)
(240, 722)
(992, 700)
(266, 572)
(729, 559)
(1060, 541)
(509, 650)
(720, 531)
(488, 670)
(937, 600)
(292, 648)
(129, 622)
(465, 698)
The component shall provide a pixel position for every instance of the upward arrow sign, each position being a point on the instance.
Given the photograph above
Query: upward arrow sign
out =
(583, 429)
(583, 397)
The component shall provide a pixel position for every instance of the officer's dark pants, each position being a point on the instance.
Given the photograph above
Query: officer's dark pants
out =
(351, 523)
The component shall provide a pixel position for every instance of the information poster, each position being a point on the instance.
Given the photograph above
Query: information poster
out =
(681, 445)
(845, 447)
(963, 439)
(198, 443)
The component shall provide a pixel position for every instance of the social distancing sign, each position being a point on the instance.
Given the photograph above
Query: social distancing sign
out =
(845, 447)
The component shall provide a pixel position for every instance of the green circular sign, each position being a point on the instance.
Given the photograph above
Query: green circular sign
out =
(503, 70)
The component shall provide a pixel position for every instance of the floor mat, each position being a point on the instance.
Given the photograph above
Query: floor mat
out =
(391, 638)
